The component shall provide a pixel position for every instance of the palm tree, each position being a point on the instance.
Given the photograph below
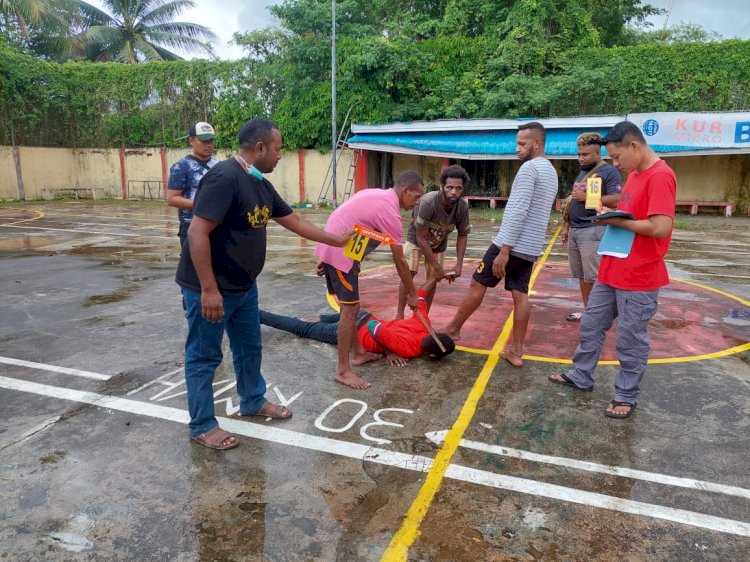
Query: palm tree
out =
(24, 12)
(139, 31)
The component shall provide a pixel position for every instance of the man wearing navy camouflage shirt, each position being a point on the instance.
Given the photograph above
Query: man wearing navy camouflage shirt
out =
(186, 173)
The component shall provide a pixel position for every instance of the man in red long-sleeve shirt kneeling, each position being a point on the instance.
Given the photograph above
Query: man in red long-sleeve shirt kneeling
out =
(399, 339)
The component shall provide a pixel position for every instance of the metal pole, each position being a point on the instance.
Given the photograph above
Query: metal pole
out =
(334, 135)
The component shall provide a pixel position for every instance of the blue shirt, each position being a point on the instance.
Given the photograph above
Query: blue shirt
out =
(184, 176)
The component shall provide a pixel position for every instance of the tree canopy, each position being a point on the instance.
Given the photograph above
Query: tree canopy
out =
(127, 31)
(397, 60)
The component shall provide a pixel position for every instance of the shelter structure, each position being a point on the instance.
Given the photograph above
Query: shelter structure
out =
(710, 152)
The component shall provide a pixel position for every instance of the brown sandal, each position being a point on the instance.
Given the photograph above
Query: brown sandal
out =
(273, 411)
(213, 439)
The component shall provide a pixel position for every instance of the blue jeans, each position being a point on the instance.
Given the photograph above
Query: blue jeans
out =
(324, 331)
(203, 356)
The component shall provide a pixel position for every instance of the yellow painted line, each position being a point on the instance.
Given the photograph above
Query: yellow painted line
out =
(473, 350)
(731, 296)
(566, 361)
(660, 361)
(714, 355)
(398, 548)
(39, 215)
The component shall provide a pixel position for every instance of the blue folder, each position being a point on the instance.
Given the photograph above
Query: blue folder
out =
(616, 242)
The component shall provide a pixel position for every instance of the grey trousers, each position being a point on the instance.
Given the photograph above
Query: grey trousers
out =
(634, 310)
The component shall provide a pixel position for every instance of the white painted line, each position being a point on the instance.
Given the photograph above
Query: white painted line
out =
(76, 231)
(54, 369)
(392, 458)
(438, 436)
(593, 499)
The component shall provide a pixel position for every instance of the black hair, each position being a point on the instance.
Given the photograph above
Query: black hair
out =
(256, 130)
(430, 346)
(409, 179)
(454, 171)
(535, 126)
(623, 131)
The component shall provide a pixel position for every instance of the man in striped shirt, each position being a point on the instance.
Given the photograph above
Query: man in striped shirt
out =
(519, 242)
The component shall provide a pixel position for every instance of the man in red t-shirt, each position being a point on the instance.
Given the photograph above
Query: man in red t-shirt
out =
(399, 339)
(627, 288)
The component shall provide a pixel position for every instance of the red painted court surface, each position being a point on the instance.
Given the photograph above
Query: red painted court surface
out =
(692, 320)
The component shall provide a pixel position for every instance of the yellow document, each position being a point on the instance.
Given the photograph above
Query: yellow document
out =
(593, 193)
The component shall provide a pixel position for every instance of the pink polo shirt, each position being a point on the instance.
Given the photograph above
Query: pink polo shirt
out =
(377, 209)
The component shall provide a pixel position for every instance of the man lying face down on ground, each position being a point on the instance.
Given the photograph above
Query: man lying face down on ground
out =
(399, 339)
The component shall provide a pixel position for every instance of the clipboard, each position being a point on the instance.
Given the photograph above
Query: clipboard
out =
(610, 215)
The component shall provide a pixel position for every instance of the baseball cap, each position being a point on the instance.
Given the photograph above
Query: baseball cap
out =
(202, 130)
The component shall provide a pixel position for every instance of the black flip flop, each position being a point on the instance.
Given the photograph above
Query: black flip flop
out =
(567, 382)
(616, 404)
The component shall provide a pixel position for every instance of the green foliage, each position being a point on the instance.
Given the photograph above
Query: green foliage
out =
(398, 60)
(110, 104)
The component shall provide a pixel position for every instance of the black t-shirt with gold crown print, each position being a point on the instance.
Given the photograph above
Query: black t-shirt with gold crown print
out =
(242, 206)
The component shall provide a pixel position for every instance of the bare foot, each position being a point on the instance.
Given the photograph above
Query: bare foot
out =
(366, 357)
(351, 379)
(513, 358)
(452, 332)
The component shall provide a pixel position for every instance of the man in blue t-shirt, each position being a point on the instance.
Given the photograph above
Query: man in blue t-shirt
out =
(223, 255)
(186, 173)
(583, 236)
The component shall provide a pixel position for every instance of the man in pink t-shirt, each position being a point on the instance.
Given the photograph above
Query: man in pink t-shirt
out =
(627, 288)
(378, 210)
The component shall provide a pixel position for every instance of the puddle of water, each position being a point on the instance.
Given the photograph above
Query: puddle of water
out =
(671, 323)
(26, 243)
(121, 294)
(698, 262)
(53, 457)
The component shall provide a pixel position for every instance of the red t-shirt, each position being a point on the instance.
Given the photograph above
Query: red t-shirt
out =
(403, 337)
(647, 193)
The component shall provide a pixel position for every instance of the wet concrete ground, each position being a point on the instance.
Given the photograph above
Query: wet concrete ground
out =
(95, 463)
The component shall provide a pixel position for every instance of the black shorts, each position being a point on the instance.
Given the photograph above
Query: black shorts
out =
(517, 271)
(344, 285)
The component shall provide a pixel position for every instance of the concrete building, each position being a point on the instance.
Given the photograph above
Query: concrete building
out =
(710, 152)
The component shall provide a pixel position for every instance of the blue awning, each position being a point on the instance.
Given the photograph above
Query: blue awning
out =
(471, 145)
(495, 139)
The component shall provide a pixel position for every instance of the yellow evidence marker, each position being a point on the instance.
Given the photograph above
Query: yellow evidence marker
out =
(356, 247)
(593, 192)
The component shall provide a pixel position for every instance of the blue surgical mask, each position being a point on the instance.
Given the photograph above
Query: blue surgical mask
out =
(255, 172)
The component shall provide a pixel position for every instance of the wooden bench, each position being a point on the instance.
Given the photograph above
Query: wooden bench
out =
(726, 205)
(49, 193)
(493, 200)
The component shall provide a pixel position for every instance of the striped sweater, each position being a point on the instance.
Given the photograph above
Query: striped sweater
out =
(527, 212)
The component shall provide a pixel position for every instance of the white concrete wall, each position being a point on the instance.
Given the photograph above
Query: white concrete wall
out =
(698, 177)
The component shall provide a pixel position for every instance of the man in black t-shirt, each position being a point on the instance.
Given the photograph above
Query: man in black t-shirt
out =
(583, 236)
(224, 254)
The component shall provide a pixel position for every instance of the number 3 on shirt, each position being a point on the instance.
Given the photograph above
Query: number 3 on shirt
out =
(356, 247)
